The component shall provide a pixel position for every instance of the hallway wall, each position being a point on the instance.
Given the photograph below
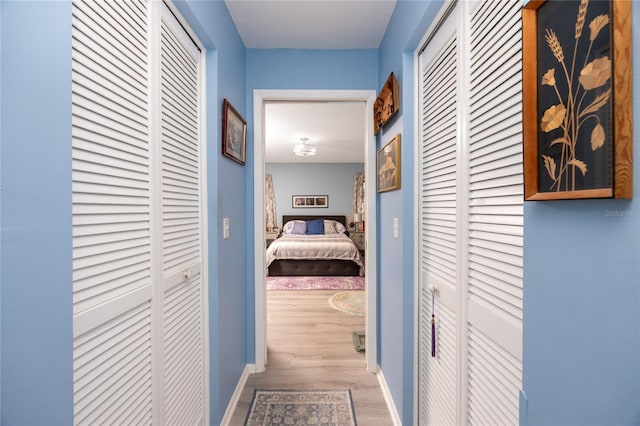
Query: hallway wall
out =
(226, 182)
(297, 69)
(36, 303)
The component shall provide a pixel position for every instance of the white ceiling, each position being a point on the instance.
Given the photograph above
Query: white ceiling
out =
(337, 129)
(311, 24)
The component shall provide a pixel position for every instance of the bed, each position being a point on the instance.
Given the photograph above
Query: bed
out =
(326, 254)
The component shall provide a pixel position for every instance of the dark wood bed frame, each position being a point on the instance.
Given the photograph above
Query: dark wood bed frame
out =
(320, 267)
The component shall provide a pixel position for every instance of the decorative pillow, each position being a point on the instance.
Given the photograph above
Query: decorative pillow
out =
(333, 227)
(315, 227)
(296, 227)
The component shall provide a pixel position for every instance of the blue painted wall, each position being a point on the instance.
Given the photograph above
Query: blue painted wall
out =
(298, 69)
(581, 278)
(226, 184)
(332, 179)
(582, 303)
(408, 24)
(36, 213)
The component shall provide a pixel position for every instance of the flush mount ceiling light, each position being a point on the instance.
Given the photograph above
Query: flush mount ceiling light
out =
(304, 149)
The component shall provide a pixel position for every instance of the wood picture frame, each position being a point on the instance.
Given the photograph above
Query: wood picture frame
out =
(389, 172)
(386, 104)
(234, 133)
(577, 100)
(309, 201)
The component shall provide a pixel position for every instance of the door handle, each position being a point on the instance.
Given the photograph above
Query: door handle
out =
(187, 273)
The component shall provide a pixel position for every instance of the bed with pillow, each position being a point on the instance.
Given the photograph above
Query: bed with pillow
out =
(313, 246)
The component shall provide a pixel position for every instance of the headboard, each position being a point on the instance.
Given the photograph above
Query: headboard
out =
(287, 218)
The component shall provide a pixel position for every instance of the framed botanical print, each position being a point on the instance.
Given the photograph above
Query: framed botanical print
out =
(389, 165)
(577, 99)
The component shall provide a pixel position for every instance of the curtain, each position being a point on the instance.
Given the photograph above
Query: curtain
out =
(271, 220)
(358, 194)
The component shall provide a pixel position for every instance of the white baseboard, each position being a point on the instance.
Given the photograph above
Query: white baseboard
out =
(391, 406)
(231, 407)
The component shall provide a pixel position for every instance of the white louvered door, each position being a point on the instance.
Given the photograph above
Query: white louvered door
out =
(112, 285)
(182, 287)
(139, 334)
(480, 233)
(438, 231)
(495, 197)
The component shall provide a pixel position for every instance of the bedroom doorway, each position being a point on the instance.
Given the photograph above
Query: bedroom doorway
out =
(261, 98)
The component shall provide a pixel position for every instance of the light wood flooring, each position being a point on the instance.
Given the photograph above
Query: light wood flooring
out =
(309, 346)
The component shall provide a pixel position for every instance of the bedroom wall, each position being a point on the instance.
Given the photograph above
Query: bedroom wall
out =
(226, 183)
(37, 357)
(332, 179)
(297, 69)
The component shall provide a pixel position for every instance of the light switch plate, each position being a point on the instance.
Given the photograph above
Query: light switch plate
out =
(395, 227)
(225, 228)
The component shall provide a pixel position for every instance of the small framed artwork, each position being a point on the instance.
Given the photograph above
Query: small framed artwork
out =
(234, 133)
(309, 201)
(577, 99)
(386, 104)
(389, 165)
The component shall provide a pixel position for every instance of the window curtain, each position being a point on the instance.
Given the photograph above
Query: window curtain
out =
(358, 194)
(270, 204)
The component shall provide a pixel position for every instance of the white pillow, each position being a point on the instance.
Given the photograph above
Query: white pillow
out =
(295, 227)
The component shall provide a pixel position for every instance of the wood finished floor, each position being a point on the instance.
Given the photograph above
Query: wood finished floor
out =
(309, 346)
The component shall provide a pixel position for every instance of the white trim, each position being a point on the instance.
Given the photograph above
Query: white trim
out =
(259, 99)
(155, 210)
(249, 369)
(463, 201)
(386, 393)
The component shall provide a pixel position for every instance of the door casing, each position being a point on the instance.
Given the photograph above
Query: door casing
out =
(260, 97)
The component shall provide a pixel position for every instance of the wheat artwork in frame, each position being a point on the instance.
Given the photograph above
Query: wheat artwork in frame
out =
(234, 133)
(389, 166)
(577, 99)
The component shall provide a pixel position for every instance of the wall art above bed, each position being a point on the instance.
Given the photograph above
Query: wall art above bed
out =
(309, 201)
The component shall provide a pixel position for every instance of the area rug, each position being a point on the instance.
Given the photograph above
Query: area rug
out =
(301, 407)
(349, 302)
(315, 283)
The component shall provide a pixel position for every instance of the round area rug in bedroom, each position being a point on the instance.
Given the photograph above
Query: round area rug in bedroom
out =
(349, 302)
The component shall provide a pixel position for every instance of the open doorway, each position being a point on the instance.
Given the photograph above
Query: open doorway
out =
(262, 98)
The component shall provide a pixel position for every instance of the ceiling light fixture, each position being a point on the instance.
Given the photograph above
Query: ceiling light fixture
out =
(304, 149)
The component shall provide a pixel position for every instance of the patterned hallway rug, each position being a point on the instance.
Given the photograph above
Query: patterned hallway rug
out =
(315, 283)
(349, 302)
(301, 407)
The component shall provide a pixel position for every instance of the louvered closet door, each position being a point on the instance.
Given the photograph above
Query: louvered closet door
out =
(182, 284)
(112, 286)
(471, 202)
(139, 312)
(438, 226)
(495, 197)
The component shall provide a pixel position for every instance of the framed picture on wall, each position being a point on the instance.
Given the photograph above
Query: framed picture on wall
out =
(577, 99)
(309, 201)
(389, 165)
(234, 133)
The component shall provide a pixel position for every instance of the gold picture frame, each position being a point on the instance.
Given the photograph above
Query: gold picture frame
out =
(389, 172)
(577, 100)
(234, 133)
(386, 104)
